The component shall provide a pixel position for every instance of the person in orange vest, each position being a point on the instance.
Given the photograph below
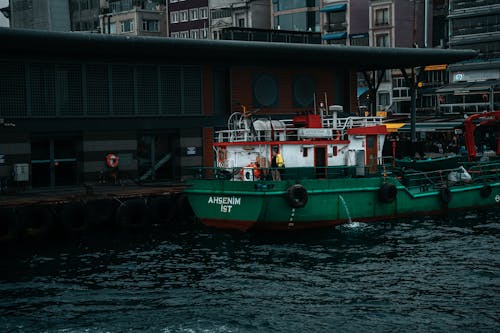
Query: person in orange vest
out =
(256, 170)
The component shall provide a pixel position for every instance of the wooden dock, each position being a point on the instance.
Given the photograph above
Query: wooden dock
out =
(37, 214)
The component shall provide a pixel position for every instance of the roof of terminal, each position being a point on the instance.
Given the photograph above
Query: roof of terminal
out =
(42, 44)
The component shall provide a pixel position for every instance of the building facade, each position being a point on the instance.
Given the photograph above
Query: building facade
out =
(49, 15)
(139, 18)
(188, 19)
(300, 15)
(84, 14)
(474, 86)
(345, 22)
(241, 14)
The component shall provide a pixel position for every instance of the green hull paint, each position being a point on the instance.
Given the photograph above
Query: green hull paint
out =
(330, 202)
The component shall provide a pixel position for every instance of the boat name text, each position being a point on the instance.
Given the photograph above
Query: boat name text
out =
(226, 203)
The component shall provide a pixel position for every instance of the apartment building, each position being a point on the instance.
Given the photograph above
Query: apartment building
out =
(474, 86)
(188, 19)
(49, 15)
(135, 18)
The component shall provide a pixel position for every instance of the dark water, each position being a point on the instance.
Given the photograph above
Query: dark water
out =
(423, 274)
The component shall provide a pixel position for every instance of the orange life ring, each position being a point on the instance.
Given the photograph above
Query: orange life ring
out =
(112, 160)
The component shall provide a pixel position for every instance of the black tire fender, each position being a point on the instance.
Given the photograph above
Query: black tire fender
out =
(37, 221)
(72, 217)
(132, 213)
(387, 193)
(445, 195)
(161, 209)
(485, 191)
(296, 196)
(10, 228)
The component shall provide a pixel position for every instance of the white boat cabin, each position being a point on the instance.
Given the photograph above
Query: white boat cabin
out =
(316, 140)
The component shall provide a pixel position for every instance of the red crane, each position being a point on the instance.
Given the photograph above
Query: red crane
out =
(470, 125)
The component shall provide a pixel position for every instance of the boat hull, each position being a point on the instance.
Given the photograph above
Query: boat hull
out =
(330, 202)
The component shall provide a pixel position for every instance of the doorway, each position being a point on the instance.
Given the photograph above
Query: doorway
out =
(320, 164)
(54, 162)
(155, 155)
(371, 153)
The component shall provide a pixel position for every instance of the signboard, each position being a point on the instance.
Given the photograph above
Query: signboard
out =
(314, 132)
(435, 68)
(190, 151)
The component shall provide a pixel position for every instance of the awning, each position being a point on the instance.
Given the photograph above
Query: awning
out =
(334, 8)
(393, 127)
(469, 87)
(362, 90)
(445, 126)
(335, 35)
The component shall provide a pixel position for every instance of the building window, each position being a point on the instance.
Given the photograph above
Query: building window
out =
(150, 25)
(127, 25)
(174, 35)
(173, 1)
(193, 14)
(204, 33)
(382, 40)
(184, 34)
(384, 98)
(241, 22)
(174, 17)
(303, 21)
(183, 15)
(194, 34)
(221, 13)
(382, 16)
(294, 4)
(110, 28)
(203, 13)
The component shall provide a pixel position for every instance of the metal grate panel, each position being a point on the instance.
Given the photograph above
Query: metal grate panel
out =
(12, 90)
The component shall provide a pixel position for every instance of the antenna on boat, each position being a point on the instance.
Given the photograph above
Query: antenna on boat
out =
(314, 102)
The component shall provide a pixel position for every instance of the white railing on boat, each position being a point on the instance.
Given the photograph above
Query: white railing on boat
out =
(342, 124)
(332, 128)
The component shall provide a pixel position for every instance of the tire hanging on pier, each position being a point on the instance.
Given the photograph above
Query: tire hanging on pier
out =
(184, 210)
(161, 210)
(100, 214)
(296, 196)
(387, 193)
(73, 219)
(485, 191)
(36, 221)
(9, 225)
(445, 195)
(132, 214)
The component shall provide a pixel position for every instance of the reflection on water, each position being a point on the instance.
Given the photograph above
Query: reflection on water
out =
(422, 274)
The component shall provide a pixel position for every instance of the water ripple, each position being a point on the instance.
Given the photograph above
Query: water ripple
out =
(422, 274)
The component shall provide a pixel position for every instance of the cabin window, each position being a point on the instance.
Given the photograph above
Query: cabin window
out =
(334, 151)
(304, 152)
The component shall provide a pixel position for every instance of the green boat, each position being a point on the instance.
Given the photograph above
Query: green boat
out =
(429, 164)
(334, 174)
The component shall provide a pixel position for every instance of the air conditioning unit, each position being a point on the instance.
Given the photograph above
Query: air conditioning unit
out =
(21, 172)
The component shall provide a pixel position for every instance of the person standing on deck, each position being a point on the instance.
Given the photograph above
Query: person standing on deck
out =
(276, 162)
